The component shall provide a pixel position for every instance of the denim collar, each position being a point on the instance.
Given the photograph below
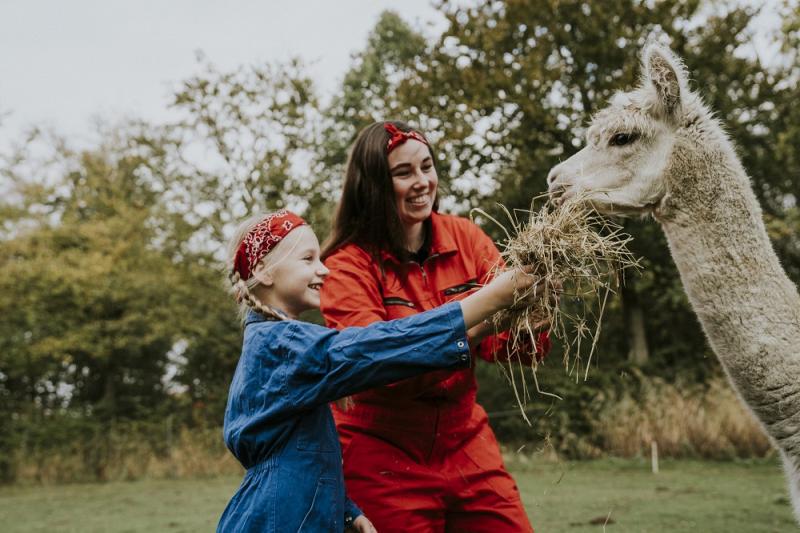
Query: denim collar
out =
(254, 316)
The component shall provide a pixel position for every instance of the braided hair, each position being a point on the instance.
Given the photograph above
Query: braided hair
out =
(242, 289)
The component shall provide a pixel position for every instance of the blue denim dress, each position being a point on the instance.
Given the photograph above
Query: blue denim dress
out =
(278, 423)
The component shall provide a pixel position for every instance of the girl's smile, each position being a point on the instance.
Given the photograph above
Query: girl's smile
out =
(292, 274)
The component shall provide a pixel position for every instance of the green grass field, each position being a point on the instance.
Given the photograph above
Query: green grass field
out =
(610, 495)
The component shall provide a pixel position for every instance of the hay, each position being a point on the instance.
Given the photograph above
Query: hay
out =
(569, 245)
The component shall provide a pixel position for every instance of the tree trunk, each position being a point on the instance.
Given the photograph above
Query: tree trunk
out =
(638, 351)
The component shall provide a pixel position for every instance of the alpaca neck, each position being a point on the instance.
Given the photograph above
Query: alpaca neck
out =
(748, 307)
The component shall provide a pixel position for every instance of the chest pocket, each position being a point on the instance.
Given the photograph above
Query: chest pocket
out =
(394, 300)
(461, 288)
(317, 432)
(398, 307)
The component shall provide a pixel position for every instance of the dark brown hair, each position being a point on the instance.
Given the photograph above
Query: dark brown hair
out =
(367, 211)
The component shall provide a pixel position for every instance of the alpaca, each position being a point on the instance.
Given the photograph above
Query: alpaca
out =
(659, 150)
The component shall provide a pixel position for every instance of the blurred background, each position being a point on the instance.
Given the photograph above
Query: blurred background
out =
(135, 135)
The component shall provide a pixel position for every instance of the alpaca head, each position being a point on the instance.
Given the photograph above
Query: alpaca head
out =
(622, 168)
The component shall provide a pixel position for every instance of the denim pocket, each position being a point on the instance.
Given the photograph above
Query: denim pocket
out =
(321, 513)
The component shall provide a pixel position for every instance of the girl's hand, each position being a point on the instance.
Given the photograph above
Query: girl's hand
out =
(362, 525)
(501, 293)
(512, 283)
(551, 290)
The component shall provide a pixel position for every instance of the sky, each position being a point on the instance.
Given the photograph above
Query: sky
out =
(64, 64)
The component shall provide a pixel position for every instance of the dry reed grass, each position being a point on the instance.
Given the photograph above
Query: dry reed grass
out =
(698, 421)
(578, 255)
(119, 456)
(706, 421)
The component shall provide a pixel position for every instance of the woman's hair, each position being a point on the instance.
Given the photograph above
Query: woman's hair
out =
(367, 211)
(241, 288)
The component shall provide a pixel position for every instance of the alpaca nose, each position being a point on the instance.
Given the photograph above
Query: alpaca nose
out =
(552, 177)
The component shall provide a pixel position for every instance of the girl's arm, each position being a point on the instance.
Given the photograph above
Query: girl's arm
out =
(351, 511)
(325, 365)
(322, 365)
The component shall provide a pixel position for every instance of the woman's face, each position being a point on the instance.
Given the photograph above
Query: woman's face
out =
(414, 180)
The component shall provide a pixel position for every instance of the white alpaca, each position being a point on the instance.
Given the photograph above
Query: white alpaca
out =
(659, 150)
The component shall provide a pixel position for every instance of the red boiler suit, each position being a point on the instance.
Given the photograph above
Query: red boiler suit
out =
(419, 455)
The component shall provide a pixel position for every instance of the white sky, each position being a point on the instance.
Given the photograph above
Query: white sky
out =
(65, 62)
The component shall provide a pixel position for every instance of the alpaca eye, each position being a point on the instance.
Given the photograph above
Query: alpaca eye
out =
(621, 139)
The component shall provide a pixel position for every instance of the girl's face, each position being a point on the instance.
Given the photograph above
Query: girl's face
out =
(414, 180)
(293, 273)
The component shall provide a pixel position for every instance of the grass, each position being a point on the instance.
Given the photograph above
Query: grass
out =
(686, 496)
(567, 496)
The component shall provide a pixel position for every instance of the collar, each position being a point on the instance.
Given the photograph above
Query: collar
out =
(441, 240)
(254, 316)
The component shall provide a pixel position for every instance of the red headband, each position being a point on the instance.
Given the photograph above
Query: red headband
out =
(398, 137)
(262, 238)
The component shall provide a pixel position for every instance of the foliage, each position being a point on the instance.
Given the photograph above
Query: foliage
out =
(510, 87)
(113, 309)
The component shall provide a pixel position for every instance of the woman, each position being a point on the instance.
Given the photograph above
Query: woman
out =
(419, 454)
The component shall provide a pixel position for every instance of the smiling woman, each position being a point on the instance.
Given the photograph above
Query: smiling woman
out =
(415, 183)
(418, 454)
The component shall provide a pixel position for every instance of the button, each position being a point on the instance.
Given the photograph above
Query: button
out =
(465, 357)
(460, 344)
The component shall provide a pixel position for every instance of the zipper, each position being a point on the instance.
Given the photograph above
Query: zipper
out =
(422, 268)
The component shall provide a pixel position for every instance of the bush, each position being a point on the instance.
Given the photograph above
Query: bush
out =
(619, 413)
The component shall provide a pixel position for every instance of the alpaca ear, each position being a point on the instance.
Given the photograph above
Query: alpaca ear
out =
(664, 73)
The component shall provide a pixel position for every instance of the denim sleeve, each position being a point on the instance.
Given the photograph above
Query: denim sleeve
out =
(351, 511)
(327, 364)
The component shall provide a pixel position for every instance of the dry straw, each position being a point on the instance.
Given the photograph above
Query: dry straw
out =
(579, 256)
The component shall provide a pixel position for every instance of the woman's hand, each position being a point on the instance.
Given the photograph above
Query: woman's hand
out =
(362, 525)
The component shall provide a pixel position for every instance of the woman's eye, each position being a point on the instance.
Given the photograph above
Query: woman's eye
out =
(621, 139)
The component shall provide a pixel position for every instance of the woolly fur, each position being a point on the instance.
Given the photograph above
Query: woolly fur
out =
(683, 169)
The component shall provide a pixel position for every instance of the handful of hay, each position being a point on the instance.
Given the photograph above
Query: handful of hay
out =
(569, 245)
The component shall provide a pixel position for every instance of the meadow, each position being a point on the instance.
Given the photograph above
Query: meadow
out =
(612, 495)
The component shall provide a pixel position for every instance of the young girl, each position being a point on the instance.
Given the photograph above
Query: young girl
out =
(277, 422)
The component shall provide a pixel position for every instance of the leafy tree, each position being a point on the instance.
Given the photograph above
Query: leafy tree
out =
(369, 94)
(511, 86)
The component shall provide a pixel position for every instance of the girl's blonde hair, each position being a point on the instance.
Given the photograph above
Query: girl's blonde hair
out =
(242, 289)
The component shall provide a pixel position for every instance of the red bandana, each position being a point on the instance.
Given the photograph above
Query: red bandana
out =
(262, 238)
(399, 137)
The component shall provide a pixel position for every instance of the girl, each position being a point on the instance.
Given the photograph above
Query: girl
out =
(277, 422)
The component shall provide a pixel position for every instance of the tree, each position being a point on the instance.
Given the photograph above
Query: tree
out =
(368, 94)
(510, 86)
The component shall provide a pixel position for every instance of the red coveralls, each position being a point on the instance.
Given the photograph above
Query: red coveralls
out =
(419, 455)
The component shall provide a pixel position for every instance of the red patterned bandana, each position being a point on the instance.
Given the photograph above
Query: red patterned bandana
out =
(260, 240)
(399, 137)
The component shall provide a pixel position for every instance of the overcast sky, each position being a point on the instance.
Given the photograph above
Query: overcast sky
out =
(63, 62)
